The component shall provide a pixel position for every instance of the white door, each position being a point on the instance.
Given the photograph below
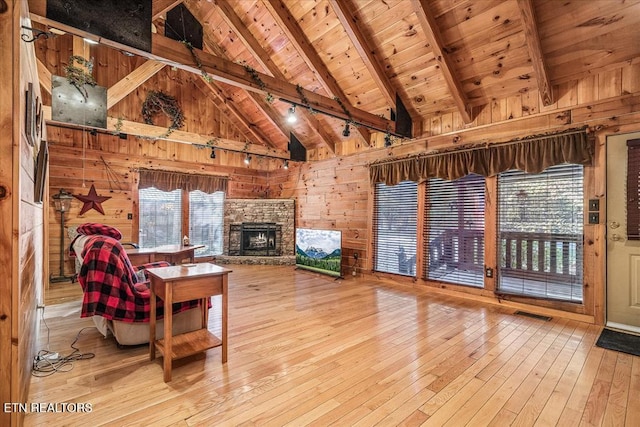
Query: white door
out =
(623, 255)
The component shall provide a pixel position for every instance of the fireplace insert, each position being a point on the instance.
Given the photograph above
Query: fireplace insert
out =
(255, 239)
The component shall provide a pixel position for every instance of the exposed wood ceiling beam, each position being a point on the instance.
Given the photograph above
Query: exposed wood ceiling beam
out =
(302, 44)
(362, 45)
(44, 76)
(261, 56)
(159, 7)
(175, 53)
(532, 37)
(210, 45)
(430, 28)
(146, 131)
(134, 79)
(214, 90)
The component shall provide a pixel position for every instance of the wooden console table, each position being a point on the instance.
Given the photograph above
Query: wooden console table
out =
(173, 254)
(183, 283)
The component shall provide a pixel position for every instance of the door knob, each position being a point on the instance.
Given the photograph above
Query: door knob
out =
(616, 237)
(614, 224)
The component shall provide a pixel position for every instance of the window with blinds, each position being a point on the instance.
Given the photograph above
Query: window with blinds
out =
(396, 223)
(454, 232)
(160, 217)
(540, 233)
(206, 215)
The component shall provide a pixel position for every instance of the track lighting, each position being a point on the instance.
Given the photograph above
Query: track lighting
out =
(291, 115)
(285, 164)
(346, 131)
(213, 153)
(247, 160)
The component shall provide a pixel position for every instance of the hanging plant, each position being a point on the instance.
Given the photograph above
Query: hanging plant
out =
(157, 102)
(198, 62)
(347, 112)
(77, 77)
(304, 99)
(213, 142)
(257, 80)
(118, 126)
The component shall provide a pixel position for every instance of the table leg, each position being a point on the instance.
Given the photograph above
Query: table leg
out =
(224, 318)
(168, 331)
(152, 325)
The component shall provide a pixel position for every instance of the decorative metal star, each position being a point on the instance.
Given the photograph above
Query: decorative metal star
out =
(91, 201)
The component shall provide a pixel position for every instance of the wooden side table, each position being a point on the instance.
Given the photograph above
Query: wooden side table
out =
(183, 283)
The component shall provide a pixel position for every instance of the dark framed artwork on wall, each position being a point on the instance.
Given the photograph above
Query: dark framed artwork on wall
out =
(31, 116)
(42, 161)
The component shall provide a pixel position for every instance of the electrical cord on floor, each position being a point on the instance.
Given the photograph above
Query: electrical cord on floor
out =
(46, 362)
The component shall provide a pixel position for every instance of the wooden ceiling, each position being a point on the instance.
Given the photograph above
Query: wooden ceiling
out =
(354, 57)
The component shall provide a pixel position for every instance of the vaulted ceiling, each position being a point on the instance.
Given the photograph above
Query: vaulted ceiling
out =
(353, 59)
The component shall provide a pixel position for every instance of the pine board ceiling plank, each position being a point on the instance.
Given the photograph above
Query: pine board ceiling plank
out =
(298, 38)
(586, 18)
(125, 86)
(490, 24)
(214, 90)
(265, 61)
(223, 93)
(174, 53)
(364, 46)
(429, 27)
(450, 14)
(590, 57)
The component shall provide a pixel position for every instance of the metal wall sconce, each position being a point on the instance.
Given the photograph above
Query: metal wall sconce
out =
(36, 34)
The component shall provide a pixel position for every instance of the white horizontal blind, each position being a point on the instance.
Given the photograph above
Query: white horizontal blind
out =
(540, 233)
(160, 217)
(206, 215)
(395, 224)
(454, 235)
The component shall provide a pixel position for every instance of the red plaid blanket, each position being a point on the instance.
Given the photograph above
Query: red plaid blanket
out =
(111, 288)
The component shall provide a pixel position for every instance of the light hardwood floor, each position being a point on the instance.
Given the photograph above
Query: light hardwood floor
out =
(310, 350)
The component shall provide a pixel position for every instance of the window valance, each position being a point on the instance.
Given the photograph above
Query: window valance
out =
(169, 181)
(533, 155)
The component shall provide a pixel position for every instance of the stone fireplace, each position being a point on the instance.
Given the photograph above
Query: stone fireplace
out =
(259, 231)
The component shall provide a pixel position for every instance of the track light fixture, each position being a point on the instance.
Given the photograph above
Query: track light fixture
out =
(291, 115)
(213, 153)
(285, 164)
(247, 160)
(346, 131)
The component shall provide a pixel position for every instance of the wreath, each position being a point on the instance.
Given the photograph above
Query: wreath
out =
(157, 102)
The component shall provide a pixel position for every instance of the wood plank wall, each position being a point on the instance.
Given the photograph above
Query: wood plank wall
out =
(331, 192)
(335, 192)
(79, 160)
(22, 233)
